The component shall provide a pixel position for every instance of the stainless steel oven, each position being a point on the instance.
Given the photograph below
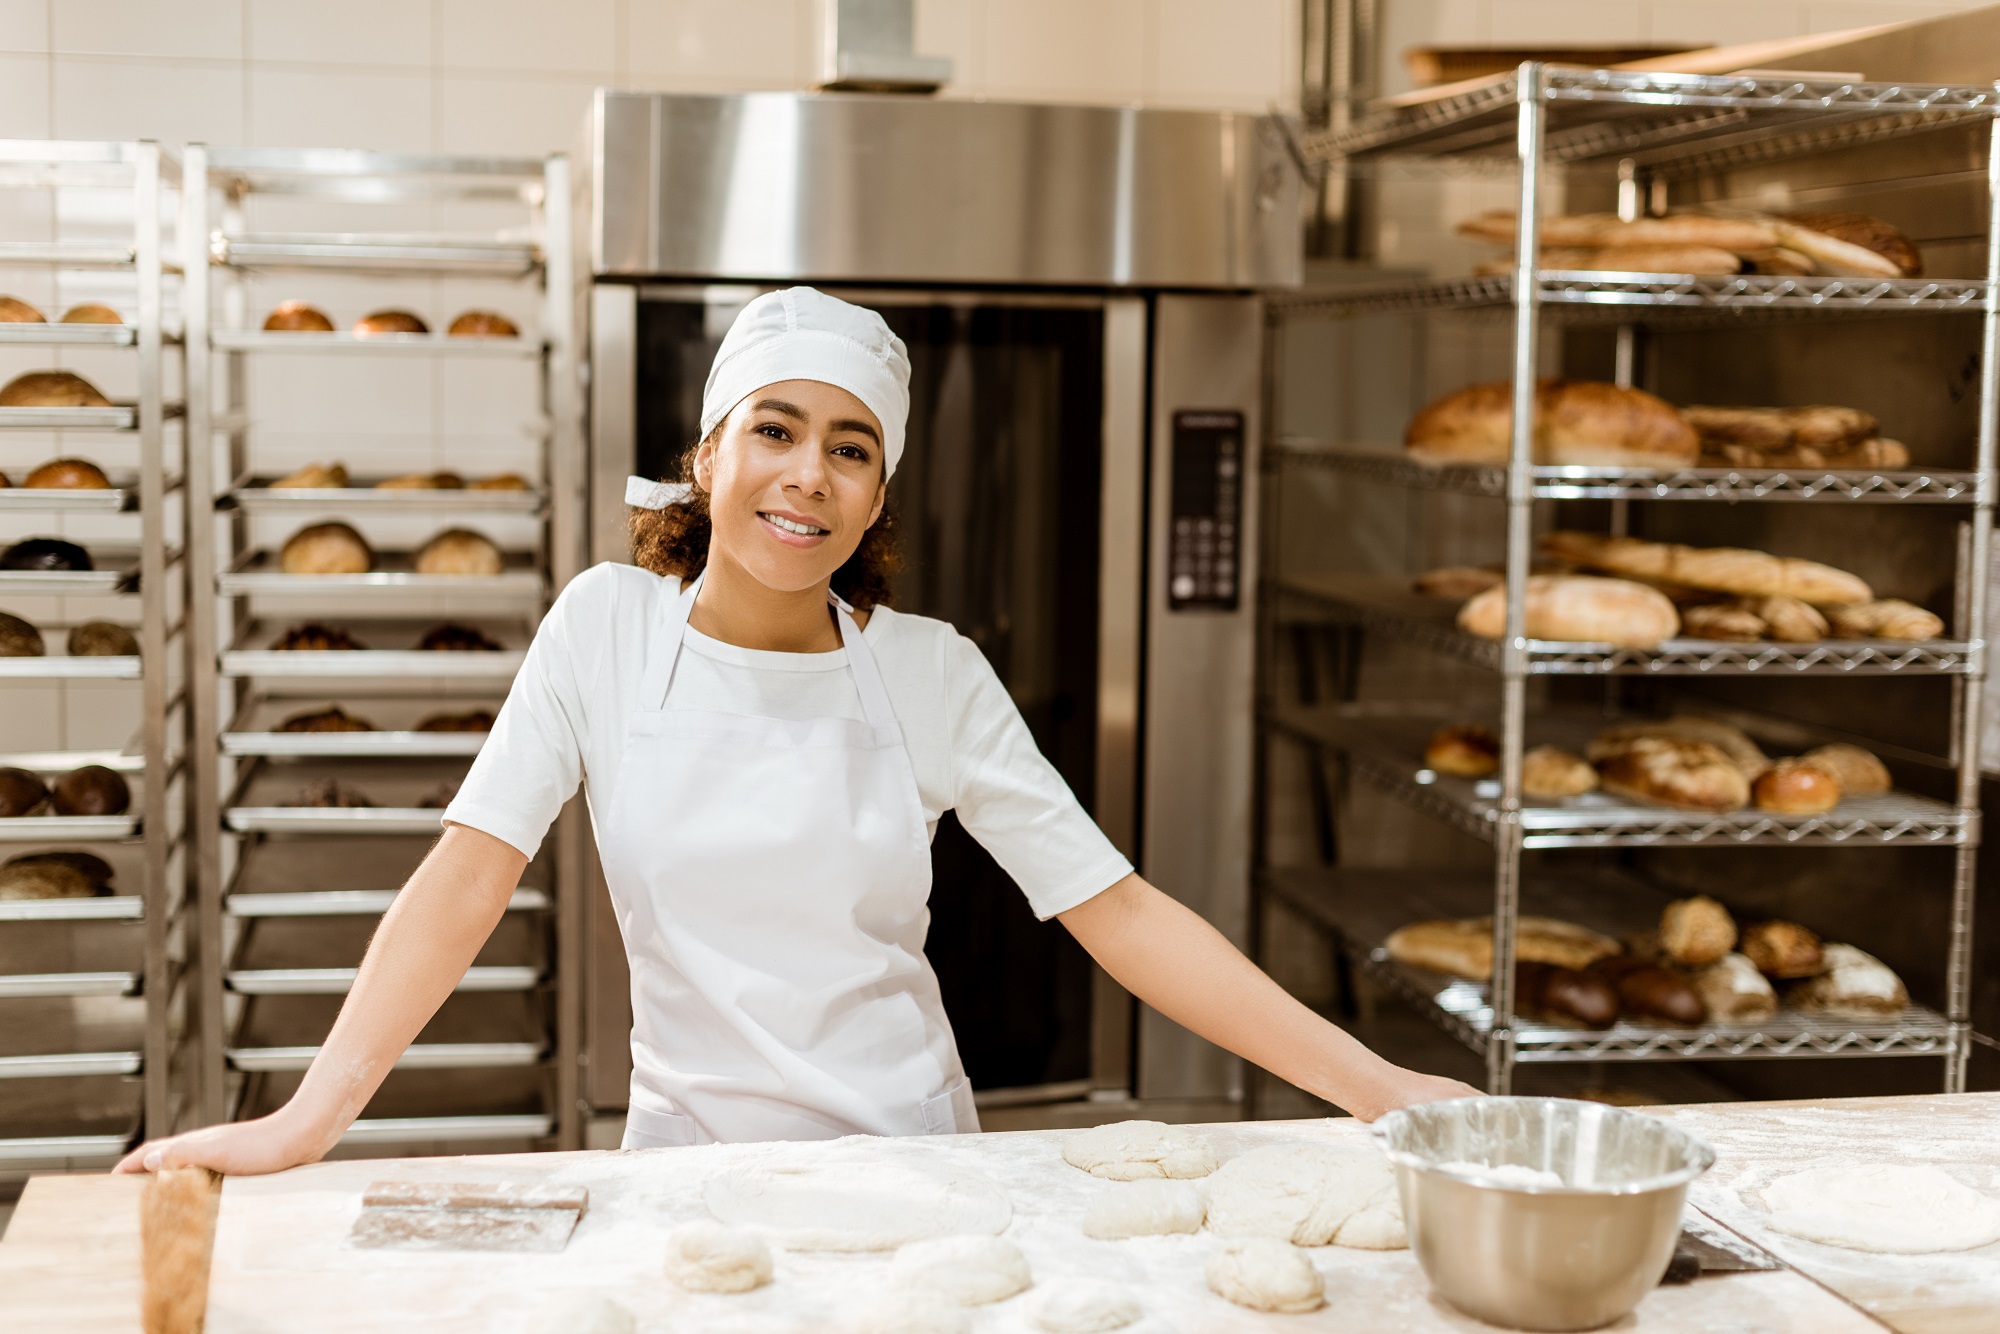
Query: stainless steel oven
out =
(1077, 288)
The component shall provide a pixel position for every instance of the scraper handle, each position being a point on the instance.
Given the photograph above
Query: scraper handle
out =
(177, 1212)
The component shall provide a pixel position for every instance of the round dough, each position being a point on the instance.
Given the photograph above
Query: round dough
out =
(971, 1271)
(910, 1311)
(1082, 1306)
(1886, 1209)
(582, 1313)
(713, 1257)
(1145, 1209)
(1309, 1195)
(1266, 1275)
(1134, 1150)
(857, 1206)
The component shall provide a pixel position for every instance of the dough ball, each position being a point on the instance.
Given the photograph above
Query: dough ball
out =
(1266, 1275)
(909, 1311)
(1134, 1150)
(714, 1257)
(1145, 1209)
(582, 1313)
(971, 1271)
(1890, 1210)
(812, 1204)
(1309, 1195)
(1081, 1306)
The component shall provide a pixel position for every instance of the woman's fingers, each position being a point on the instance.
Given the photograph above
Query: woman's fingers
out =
(148, 1157)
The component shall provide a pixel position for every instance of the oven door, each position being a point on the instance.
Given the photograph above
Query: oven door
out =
(1021, 408)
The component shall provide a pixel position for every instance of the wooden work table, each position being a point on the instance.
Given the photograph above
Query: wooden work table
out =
(69, 1261)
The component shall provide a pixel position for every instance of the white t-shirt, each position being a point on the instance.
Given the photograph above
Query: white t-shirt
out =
(972, 752)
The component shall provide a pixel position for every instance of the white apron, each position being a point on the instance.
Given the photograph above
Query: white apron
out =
(772, 880)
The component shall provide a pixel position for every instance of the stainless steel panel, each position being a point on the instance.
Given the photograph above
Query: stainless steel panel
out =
(614, 431)
(775, 186)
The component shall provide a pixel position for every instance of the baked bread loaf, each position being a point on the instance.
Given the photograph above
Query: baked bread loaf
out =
(45, 554)
(1597, 230)
(67, 475)
(102, 639)
(459, 551)
(472, 720)
(326, 548)
(326, 793)
(1463, 947)
(1731, 741)
(1783, 950)
(19, 639)
(1734, 992)
(422, 481)
(1550, 772)
(1889, 618)
(21, 792)
(1717, 569)
(297, 317)
(451, 637)
(1851, 245)
(1648, 991)
(91, 790)
(314, 477)
(51, 389)
(505, 481)
(313, 637)
(88, 865)
(1697, 931)
(389, 322)
(1796, 786)
(13, 310)
(1578, 608)
(482, 324)
(1702, 261)
(1674, 771)
(5, 481)
(48, 880)
(1731, 621)
(332, 718)
(1577, 422)
(1767, 429)
(1564, 995)
(1463, 751)
(1860, 773)
(91, 312)
(1872, 454)
(1854, 985)
(1457, 582)
(1790, 620)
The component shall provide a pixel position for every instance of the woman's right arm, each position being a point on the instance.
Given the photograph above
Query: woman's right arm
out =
(425, 942)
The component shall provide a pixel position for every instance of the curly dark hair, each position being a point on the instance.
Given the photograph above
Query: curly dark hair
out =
(674, 541)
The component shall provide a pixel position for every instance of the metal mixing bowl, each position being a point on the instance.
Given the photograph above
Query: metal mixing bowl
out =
(1542, 1257)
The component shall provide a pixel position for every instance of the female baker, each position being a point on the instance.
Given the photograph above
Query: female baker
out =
(768, 749)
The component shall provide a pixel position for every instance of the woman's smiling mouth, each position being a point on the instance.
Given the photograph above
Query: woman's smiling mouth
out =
(790, 529)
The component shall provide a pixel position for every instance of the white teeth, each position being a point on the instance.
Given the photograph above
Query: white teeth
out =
(803, 529)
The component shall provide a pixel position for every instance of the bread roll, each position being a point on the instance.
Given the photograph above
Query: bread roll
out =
(13, 310)
(1648, 991)
(1732, 622)
(1889, 618)
(473, 720)
(1575, 608)
(91, 790)
(1697, 931)
(1550, 772)
(482, 324)
(21, 792)
(313, 477)
(51, 389)
(45, 553)
(459, 551)
(1783, 949)
(297, 317)
(1790, 621)
(1692, 775)
(1463, 751)
(506, 481)
(422, 481)
(1851, 245)
(326, 548)
(313, 637)
(389, 322)
(19, 639)
(1733, 234)
(91, 312)
(1731, 741)
(1464, 947)
(1860, 773)
(1457, 582)
(1577, 422)
(1797, 786)
(45, 881)
(1564, 996)
(1768, 429)
(1855, 985)
(102, 639)
(1717, 569)
(68, 475)
(332, 718)
(453, 638)
(91, 867)
(1734, 992)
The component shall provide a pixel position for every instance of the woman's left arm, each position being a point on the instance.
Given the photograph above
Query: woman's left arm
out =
(1170, 958)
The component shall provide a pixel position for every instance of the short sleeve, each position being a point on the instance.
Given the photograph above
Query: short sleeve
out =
(532, 760)
(1011, 799)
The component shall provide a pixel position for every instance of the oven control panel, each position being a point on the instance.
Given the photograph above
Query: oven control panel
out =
(1204, 562)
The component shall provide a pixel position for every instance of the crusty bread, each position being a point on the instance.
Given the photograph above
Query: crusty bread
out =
(1563, 995)
(1733, 991)
(1860, 773)
(459, 551)
(92, 312)
(297, 317)
(1696, 931)
(1876, 453)
(504, 481)
(1854, 985)
(314, 477)
(1701, 261)
(326, 548)
(1577, 422)
(1464, 751)
(390, 322)
(1851, 244)
(1783, 950)
(1732, 621)
(13, 310)
(1890, 618)
(1731, 741)
(1550, 772)
(1464, 947)
(1600, 230)
(1796, 786)
(1648, 991)
(1675, 771)
(422, 481)
(51, 389)
(1717, 569)
(1576, 608)
(1779, 428)
(1456, 582)
(67, 475)
(482, 324)
(1789, 620)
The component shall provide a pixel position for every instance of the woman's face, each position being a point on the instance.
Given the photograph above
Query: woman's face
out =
(794, 479)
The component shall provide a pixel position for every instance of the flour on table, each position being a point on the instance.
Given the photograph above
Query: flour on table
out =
(857, 1204)
(971, 1271)
(1135, 1150)
(1082, 1306)
(1266, 1275)
(909, 1311)
(714, 1257)
(581, 1313)
(1887, 1209)
(1310, 1195)
(1144, 1209)
(1501, 1174)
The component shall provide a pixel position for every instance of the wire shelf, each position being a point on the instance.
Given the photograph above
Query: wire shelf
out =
(61, 667)
(67, 335)
(256, 496)
(391, 345)
(1625, 294)
(376, 252)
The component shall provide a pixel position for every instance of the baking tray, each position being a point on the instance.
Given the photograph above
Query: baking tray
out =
(417, 1106)
(66, 254)
(121, 496)
(67, 1125)
(346, 903)
(70, 828)
(399, 785)
(337, 877)
(117, 417)
(470, 1031)
(257, 496)
(65, 1065)
(338, 981)
(117, 572)
(395, 345)
(519, 581)
(107, 908)
(68, 335)
(254, 731)
(375, 251)
(62, 667)
(62, 761)
(318, 956)
(34, 986)
(252, 659)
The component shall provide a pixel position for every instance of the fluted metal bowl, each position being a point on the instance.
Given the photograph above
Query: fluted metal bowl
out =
(1573, 1256)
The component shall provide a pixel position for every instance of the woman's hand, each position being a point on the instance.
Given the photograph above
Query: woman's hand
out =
(245, 1148)
(1402, 1088)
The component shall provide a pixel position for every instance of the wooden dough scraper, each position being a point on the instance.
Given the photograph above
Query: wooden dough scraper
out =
(466, 1216)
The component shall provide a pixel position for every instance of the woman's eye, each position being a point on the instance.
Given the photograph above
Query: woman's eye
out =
(772, 430)
(852, 452)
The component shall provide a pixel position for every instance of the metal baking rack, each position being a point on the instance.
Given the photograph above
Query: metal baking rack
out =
(324, 869)
(1656, 129)
(67, 1100)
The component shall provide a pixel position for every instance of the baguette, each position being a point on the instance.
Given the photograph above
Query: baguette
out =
(1790, 621)
(1890, 618)
(1577, 422)
(1464, 947)
(1851, 244)
(1874, 453)
(1779, 428)
(1731, 741)
(1717, 569)
(1732, 621)
(1578, 608)
(1733, 991)
(1700, 260)
(1600, 230)
(1691, 775)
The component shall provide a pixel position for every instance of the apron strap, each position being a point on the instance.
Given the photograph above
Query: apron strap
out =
(666, 648)
(867, 675)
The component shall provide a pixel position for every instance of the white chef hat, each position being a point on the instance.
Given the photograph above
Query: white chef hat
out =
(800, 333)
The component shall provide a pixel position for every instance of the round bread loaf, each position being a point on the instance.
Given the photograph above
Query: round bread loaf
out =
(326, 548)
(332, 718)
(1797, 786)
(91, 790)
(1783, 950)
(91, 312)
(313, 477)
(454, 638)
(1577, 422)
(1549, 772)
(473, 720)
(21, 792)
(102, 639)
(88, 865)
(46, 554)
(483, 324)
(68, 475)
(1697, 931)
(313, 637)
(1853, 985)
(297, 317)
(390, 322)
(1860, 773)
(18, 639)
(51, 389)
(48, 881)
(1578, 608)
(459, 551)
(13, 310)
(1464, 751)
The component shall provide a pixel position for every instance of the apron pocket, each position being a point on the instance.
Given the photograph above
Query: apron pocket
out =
(951, 1112)
(657, 1130)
